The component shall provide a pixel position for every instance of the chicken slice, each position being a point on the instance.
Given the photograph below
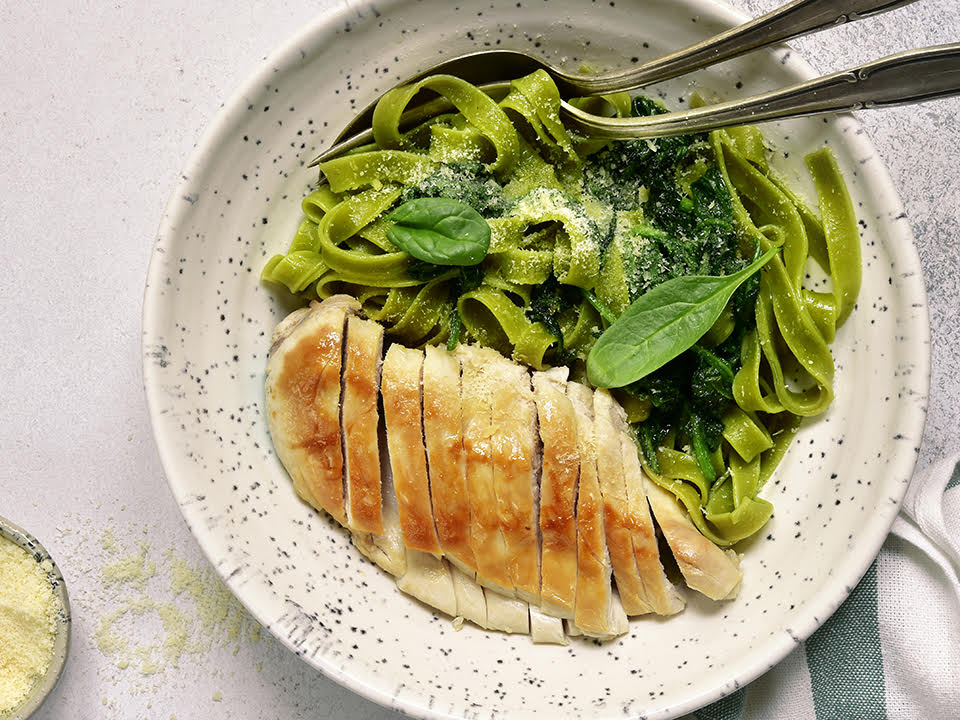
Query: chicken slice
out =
(516, 457)
(558, 493)
(303, 401)
(400, 387)
(423, 575)
(546, 629)
(471, 604)
(608, 419)
(597, 612)
(486, 540)
(290, 323)
(705, 567)
(387, 549)
(622, 623)
(429, 580)
(360, 419)
(660, 594)
(443, 436)
(506, 614)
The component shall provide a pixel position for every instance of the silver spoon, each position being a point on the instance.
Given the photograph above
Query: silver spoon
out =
(485, 68)
(908, 77)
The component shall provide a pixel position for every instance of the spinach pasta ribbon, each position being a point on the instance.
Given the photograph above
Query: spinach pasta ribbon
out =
(476, 107)
(787, 315)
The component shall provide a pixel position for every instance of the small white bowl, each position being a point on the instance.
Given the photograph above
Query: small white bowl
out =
(61, 644)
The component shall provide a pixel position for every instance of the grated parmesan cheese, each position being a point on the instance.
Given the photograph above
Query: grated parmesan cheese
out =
(28, 623)
(175, 610)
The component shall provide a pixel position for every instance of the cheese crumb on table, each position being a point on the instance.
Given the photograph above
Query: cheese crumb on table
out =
(162, 608)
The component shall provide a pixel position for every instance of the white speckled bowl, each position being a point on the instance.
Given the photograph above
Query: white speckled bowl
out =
(207, 324)
(61, 643)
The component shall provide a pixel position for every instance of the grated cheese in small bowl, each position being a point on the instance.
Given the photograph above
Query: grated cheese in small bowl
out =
(34, 623)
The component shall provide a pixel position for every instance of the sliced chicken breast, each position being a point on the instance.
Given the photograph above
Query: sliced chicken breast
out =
(429, 580)
(303, 401)
(621, 624)
(546, 629)
(387, 549)
(507, 500)
(400, 387)
(558, 493)
(292, 321)
(506, 614)
(360, 419)
(443, 437)
(608, 419)
(706, 568)
(597, 612)
(516, 455)
(471, 603)
(659, 593)
(486, 540)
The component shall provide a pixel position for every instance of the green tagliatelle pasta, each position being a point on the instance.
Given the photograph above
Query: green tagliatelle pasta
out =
(342, 245)
(793, 329)
(573, 230)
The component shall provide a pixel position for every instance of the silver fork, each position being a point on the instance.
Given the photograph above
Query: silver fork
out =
(873, 85)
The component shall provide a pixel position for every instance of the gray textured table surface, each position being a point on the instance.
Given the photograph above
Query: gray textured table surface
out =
(99, 107)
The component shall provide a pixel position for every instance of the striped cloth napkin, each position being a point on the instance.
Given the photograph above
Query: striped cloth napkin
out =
(892, 650)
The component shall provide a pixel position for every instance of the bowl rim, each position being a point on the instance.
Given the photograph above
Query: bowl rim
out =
(61, 648)
(901, 246)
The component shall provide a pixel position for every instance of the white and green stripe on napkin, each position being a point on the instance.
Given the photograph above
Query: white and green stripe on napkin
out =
(892, 650)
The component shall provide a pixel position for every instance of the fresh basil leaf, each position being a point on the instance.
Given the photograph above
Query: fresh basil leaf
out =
(440, 231)
(661, 324)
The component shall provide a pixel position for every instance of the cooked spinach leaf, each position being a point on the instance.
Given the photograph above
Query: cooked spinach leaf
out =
(688, 228)
(469, 182)
(605, 312)
(424, 271)
(456, 325)
(469, 278)
(547, 302)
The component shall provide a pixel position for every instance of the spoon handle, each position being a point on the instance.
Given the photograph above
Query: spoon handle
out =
(800, 17)
(908, 77)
